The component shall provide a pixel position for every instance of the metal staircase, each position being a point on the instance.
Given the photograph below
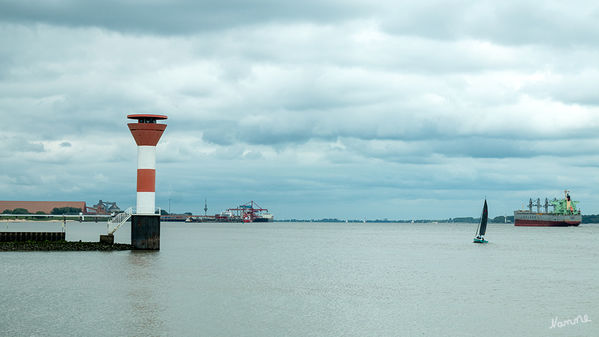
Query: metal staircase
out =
(116, 221)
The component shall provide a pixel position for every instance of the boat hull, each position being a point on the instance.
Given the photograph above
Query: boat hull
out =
(262, 220)
(545, 223)
(529, 219)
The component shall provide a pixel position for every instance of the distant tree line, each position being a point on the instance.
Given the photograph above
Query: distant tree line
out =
(592, 218)
(469, 219)
(16, 211)
(66, 210)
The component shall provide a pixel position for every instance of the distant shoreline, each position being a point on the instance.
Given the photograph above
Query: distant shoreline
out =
(38, 219)
(33, 220)
(509, 220)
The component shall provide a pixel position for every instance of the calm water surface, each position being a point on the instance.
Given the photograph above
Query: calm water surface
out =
(307, 279)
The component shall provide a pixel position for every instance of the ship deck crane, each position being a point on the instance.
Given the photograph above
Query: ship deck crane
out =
(247, 212)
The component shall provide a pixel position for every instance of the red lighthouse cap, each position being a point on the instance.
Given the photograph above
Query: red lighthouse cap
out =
(140, 117)
(146, 131)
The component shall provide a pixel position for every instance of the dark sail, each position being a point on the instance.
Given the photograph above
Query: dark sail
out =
(483, 220)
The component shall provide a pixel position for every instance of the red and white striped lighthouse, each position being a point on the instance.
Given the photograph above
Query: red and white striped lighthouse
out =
(145, 224)
(146, 133)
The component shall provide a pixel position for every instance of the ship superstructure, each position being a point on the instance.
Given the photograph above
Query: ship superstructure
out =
(565, 213)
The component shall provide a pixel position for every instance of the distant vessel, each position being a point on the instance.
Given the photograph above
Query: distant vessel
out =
(564, 213)
(482, 226)
(264, 217)
(250, 212)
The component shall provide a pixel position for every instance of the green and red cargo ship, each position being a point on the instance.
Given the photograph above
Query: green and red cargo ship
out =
(564, 213)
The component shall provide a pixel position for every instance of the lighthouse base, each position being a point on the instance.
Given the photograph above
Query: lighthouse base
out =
(145, 232)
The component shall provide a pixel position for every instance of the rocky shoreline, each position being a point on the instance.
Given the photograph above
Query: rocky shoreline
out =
(71, 246)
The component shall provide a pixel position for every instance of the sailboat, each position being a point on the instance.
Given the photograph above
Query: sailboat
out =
(482, 227)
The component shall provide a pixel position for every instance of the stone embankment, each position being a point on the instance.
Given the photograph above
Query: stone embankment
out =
(62, 246)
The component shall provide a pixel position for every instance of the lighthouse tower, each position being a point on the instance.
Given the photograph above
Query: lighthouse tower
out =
(145, 223)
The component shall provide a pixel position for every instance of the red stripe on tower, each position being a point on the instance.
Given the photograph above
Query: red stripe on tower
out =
(146, 180)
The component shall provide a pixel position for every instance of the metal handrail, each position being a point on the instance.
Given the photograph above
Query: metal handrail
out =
(119, 219)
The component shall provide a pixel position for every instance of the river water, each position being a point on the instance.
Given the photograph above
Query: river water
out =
(307, 279)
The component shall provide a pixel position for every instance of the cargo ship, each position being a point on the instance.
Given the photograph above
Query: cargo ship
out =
(264, 217)
(564, 213)
(251, 212)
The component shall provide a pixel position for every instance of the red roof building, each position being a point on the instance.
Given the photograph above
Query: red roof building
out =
(44, 206)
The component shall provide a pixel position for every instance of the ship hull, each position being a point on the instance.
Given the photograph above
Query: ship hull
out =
(545, 223)
(530, 219)
(262, 220)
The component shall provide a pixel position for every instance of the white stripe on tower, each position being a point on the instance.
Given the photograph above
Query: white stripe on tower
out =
(146, 157)
(146, 179)
(145, 202)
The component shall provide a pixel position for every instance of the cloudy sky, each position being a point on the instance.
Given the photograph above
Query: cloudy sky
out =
(328, 108)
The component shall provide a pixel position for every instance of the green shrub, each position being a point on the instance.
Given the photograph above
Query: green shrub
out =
(20, 211)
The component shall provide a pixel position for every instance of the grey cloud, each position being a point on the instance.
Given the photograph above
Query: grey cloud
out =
(174, 17)
(261, 136)
(577, 87)
(253, 155)
(350, 46)
(256, 136)
(507, 22)
(221, 133)
(28, 180)
(479, 147)
(434, 150)
(19, 144)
